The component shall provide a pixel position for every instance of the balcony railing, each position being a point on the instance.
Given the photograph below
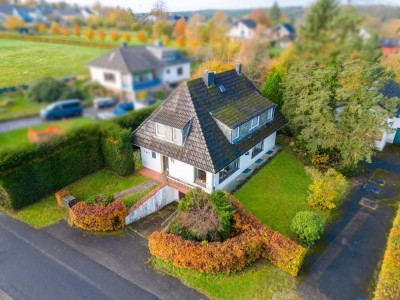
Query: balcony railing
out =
(137, 86)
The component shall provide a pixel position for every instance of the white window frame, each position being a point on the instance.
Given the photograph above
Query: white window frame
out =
(153, 154)
(270, 115)
(233, 135)
(257, 120)
(158, 133)
(174, 136)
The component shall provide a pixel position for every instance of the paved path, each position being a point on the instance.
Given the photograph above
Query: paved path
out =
(354, 244)
(29, 122)
(35, 265)
(138, 188)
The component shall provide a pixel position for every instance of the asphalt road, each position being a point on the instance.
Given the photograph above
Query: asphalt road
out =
(35, 265)
(28, 122)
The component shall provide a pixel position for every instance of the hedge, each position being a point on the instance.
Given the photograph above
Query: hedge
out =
(134, 119)
(99, 218)
(388, 287)
(252, 241)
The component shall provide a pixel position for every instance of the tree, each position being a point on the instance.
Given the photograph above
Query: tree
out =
(193, 30)
(89, 33)
(12, 23)
(274, 14)
(54, 28)
(308, 226)
(120, 18)
(165, 39)
(94, 21)
(159, 10)
(180, 32)
(42, 28)
(50, 90)
(65, 31)
(115, 36)
(101, 34)
(213, 64)
(272, 88)
(258, 15)
(77, 30)
(141, 36)
(126, 37)
(161, 28)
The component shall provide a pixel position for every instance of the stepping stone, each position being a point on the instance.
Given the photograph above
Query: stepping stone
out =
(372, 188)
(247, 171)
(368, 203)
(377, 181)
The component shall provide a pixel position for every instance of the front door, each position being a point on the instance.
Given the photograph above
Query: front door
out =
(396, 140)
(165, 164)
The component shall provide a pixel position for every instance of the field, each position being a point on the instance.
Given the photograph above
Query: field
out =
(21, 107)
(23, 62)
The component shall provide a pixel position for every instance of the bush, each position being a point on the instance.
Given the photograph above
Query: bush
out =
(272, 88)
(99, 218)
(101, 199)
(388, 287)
(59, 195)
(325, 188)
(308, 226)
(50, 90)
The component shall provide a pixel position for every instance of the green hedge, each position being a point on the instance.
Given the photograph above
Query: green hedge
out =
(30, 173)
(133, 119)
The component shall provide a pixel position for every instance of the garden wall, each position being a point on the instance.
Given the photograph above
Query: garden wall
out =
(388, 287)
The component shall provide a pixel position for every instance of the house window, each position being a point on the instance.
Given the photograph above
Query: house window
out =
(270, 115)
(176, 136)
(254, 122)
(235, 133)
(168, 71)
(228, 170)
(109, 77)
(160, 130)
(257, 149)
(180, 71)
(153, 154)
(200, 177)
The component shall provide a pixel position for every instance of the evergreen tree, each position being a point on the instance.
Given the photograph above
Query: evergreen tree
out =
(274, 14)
(272, 88)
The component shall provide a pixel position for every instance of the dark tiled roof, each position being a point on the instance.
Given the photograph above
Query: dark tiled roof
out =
(206, 146)
(289, 28)
(390, 42)
(132, 59)
(249, 23)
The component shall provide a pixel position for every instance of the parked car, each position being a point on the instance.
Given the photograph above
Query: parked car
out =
(123, 108)
(62, 109)
(104, 102)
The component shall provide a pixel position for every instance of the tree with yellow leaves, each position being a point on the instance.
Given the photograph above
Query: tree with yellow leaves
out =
(42, 28)
(55, 28)
(165, 39)
(141, 36)
(192, 31)
(77, 30)
(89, 34)
(126, 37)
(213, 65)
(115, 36)
(13, 23)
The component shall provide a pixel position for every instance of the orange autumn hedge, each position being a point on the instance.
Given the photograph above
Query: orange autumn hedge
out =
(60, 194)
(252, 241)
(99, 218)
(389, 278)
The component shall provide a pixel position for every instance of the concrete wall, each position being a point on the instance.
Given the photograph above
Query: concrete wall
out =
(148, 161)
(157, 201)
(245, 161)
(172, 76)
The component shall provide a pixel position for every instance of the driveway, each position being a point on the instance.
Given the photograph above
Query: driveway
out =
(28, 122)
(353, 246)
(66, 263)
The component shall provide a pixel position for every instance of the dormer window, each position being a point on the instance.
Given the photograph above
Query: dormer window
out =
(235, 133)
(160, 130)
(255, 122)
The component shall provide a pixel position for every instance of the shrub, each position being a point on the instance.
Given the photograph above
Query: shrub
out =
(325, 188)
(99, 218)
(101, 199)
(70, 93)
(272, 88)
(388, 287)
(308, 226)
(50, 90)
(115, 36)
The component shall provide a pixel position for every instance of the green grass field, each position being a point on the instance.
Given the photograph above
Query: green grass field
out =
(19, 137)
(24, 61)
(21, 108)
(278, 191)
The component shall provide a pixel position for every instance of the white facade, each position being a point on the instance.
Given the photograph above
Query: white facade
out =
(175, 73)
(99, 75)
(186, 173)
(241, 31)
(388, 137)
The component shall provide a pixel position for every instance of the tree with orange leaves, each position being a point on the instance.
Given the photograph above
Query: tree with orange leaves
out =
(141, 36)
(258, 15)
(115, 36)
(65, 31)
(101, 34)
(89, 34)
(180, 32)
(42, 28)
(77, 30)
(55, 28)
(126, 37)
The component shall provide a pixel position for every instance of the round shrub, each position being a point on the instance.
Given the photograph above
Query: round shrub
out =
(308, 226)
(45, 90)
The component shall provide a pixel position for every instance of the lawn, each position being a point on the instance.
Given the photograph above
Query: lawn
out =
(23, 62)
(19, 137)
(46, 212)
(21, 108)
(259, 281)
(278, 191)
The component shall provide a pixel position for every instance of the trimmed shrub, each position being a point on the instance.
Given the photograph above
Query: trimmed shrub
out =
(32, 172)
(308, 226)
(99, 218)
(50, 90)
(116, 146)
(101, 199)
(388, 287)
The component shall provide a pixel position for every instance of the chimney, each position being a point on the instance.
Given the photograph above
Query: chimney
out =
(208, 78)
(238, 68)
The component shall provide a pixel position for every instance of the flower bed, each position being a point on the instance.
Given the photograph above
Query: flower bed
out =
(99, 218)
(251, 242)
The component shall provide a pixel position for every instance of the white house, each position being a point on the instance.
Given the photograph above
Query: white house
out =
(282, 35)
(133, 73)
(209, 130)
(244, 29)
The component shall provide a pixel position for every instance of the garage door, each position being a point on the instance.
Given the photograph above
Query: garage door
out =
(397, 137)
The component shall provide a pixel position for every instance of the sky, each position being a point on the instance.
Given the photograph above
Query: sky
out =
(139, 6)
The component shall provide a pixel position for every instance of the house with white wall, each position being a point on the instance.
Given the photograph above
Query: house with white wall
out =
(244, 29)
(281, 35)
(133, 73)
(209, 130)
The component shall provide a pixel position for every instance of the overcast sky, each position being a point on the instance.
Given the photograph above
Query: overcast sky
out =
(189, 5)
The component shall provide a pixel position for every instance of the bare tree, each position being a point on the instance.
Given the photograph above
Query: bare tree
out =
(159, 10)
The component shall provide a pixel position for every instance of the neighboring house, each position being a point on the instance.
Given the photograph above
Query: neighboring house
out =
(364, 34)
(135, 72)
(390, 45)
(391, 90)
(244, 29)
(18, 11)
(281, 35)
(209, 131)
(175, 18)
